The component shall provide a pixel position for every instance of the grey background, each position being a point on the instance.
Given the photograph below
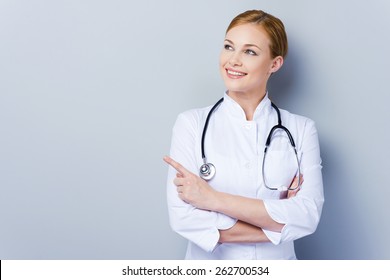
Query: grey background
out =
(89, 92)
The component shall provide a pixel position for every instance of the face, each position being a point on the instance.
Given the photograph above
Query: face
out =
(246, 62)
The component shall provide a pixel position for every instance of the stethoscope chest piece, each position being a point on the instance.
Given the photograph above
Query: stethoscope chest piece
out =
(207, 171)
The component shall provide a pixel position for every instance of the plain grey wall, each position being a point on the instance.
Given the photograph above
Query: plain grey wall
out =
(89, 92)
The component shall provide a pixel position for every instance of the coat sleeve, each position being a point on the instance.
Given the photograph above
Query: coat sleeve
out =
(301, 214)
(198, 226)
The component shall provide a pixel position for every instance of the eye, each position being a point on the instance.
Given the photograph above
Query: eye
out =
(250, 52)
(228, 47)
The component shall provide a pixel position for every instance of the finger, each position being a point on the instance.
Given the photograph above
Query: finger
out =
(179, 168)
(301, 179)
(179, 181)
(292, 193)
(179, 175)
(295, 182)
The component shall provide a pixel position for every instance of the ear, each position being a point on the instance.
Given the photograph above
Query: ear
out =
(277, 63)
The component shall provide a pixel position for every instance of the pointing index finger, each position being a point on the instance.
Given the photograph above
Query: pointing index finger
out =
(179, 168)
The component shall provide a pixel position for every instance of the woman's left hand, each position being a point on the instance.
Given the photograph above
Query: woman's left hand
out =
(191, 188)
(295, 187)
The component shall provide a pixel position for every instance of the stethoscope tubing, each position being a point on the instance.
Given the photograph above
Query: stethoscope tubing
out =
(206, 125)
(207, 170)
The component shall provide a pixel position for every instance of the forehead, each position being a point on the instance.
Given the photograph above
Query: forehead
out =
(248, 33)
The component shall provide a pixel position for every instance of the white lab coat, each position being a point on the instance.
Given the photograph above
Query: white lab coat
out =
(236, 147)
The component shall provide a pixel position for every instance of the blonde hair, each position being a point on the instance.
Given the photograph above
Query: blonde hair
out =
(272, 25)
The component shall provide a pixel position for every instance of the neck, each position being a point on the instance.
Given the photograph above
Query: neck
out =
(248, 102)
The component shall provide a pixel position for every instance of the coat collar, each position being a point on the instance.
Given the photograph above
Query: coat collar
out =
(236, 111)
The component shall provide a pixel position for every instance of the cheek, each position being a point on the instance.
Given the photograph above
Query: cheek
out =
(222, 63)
(223, 59)
(260, 68)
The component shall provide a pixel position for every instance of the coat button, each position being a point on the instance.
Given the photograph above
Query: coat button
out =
(248, 126)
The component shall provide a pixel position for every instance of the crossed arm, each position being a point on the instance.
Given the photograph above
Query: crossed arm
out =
(251, 213)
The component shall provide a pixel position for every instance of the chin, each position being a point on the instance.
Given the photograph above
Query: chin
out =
(235, 88)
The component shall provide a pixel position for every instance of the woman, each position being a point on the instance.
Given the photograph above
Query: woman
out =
(235, 215)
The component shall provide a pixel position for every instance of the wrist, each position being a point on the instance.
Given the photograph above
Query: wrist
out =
(217, 204)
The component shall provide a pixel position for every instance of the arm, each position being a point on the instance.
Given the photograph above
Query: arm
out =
(249, 210)
(197, 192)
(301, 214)
(196, 225)
(242, 233)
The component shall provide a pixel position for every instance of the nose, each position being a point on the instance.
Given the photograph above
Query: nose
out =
(234, 59)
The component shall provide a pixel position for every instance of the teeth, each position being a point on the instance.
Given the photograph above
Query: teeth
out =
(235, 73)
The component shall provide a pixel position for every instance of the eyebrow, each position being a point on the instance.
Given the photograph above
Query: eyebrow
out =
(246, 45)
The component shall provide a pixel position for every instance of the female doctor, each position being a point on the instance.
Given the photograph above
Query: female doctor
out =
(253, 202)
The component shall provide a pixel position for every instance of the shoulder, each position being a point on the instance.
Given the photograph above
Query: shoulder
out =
(295, 119)
(300, 126)
(189, 125)
(193, 117)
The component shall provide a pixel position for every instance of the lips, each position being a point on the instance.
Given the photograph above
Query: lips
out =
(234, 74)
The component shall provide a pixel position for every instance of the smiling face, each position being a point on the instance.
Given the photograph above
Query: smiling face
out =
(246, 62)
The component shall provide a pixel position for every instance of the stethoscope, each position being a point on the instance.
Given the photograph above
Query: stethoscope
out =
(207, 170)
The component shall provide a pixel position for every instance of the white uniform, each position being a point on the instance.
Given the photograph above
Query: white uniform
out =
(236, 147)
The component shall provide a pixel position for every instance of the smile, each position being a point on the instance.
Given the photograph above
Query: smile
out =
(235, 74)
